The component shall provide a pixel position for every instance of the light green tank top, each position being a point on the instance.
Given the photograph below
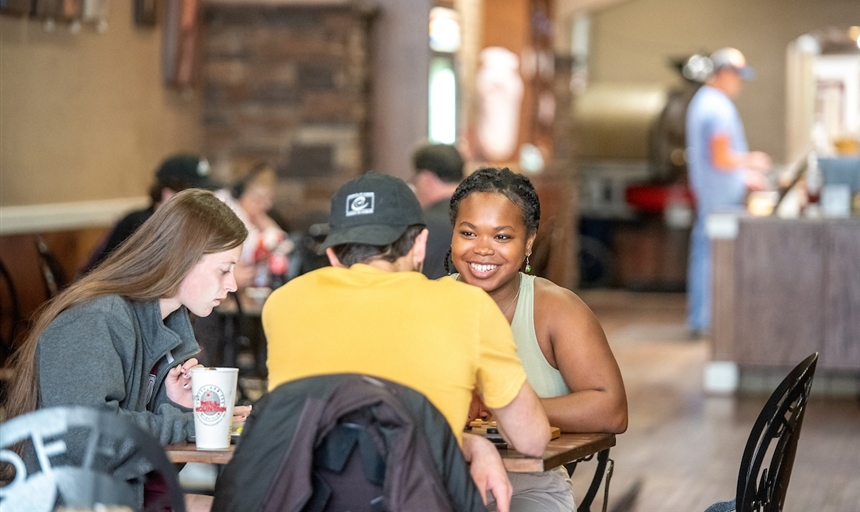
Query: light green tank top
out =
(544, 379)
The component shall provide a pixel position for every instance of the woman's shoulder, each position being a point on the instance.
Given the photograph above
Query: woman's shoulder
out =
(109, 306)
(90, 318)
(108, 303)
(560, 314)
(546, 288)
(550, 296)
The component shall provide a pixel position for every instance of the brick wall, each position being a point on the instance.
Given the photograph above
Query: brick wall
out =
(290, 85)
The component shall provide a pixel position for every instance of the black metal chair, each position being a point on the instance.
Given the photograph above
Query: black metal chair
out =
(11, 324)
(773, 437)
(115, 456)
(52, 272)
(604, 469)
(13, 319)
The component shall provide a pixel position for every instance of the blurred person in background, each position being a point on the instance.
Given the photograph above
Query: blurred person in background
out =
(438, 171)
(721, 169)
(251, 198)
(175, 174)
(263, 264)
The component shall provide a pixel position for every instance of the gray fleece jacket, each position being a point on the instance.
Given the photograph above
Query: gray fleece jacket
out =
(100, 354)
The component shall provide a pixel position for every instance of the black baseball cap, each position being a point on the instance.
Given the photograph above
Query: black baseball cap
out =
(373, 209)
(189, 170)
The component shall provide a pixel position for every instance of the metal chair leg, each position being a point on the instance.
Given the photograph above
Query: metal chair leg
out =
(602, 461)
(606, 484)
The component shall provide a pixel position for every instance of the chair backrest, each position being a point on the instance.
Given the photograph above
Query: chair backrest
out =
(346, 442)
(11, 318)
(108, 470)
(774, 437)
(52, 272)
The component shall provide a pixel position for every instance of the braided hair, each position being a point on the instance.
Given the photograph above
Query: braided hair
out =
(516, 187)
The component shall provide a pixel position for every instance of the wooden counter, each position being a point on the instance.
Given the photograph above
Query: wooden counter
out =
(786, 288)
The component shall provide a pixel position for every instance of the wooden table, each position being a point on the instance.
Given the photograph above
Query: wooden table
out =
(564, 449)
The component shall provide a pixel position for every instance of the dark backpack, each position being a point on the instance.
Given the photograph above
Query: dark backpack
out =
(346, 442)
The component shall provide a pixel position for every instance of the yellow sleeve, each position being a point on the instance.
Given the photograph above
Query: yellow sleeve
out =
(500, 372)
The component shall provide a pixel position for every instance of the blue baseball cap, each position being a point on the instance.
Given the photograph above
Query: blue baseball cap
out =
(734, 59)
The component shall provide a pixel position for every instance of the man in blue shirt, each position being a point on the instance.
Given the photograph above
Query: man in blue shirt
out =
(721, 169)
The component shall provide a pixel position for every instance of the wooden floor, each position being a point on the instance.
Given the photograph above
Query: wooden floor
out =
(684, 447)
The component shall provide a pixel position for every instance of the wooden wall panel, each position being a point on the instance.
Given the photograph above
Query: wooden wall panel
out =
(524, 27)
(554, 255)
(779, 268)
(723, 293)
(507, 24)
(21, 257)
(842, 300)
(786, 288)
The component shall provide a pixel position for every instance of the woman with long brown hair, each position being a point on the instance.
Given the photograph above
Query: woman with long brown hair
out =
(121, 338)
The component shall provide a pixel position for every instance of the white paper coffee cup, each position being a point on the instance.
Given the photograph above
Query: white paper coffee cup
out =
(214, 391)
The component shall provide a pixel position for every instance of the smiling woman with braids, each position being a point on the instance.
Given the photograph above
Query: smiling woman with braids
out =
(568, 362)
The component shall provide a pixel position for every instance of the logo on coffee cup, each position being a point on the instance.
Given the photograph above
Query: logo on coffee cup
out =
(210, 405)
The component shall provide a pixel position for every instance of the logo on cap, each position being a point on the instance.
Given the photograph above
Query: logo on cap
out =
(360, 203)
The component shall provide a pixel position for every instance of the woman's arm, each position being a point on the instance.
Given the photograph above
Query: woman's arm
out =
(82, 361)
(573, 341)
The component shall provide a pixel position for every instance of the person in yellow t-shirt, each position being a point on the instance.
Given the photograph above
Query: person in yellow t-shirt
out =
(373, 312)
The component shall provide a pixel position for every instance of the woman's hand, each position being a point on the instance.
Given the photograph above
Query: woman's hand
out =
(178, 382)
(240, 413)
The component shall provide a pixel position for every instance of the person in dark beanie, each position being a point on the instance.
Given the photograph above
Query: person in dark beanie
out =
(175, 174)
